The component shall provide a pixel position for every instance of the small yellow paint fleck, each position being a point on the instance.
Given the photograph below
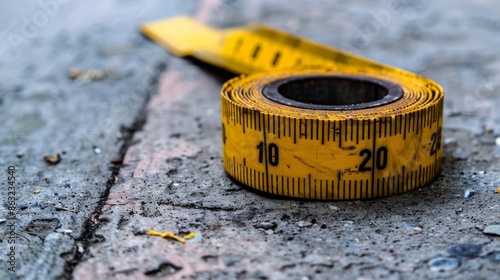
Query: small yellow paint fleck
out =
(37, 191)
(171, 235)
(498, 189)
(150, 191)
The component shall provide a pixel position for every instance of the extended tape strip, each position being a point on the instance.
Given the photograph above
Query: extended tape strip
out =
(335, 127)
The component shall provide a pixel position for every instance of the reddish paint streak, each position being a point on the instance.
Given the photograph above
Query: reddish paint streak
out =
(149, 156)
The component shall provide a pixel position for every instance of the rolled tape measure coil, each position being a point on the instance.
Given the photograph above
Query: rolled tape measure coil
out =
(331, 151)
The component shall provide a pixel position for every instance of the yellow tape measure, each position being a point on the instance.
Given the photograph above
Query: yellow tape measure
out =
(311, 121)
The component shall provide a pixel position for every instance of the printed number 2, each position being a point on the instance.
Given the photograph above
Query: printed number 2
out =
(380, 159)
(272, 153)
(436, 141)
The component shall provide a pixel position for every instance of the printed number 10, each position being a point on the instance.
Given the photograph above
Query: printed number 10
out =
(272, 153)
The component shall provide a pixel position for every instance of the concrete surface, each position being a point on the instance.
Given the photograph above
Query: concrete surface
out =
(172, 177)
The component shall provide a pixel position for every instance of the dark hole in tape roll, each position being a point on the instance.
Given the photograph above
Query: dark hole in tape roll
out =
(332, 92)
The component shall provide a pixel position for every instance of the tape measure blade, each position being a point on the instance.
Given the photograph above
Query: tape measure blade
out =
(248, 49)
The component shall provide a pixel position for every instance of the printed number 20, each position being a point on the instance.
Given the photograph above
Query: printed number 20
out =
(380, 159)
(272, 153)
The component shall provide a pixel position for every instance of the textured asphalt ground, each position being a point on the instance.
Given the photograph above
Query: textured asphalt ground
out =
(140, 148)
